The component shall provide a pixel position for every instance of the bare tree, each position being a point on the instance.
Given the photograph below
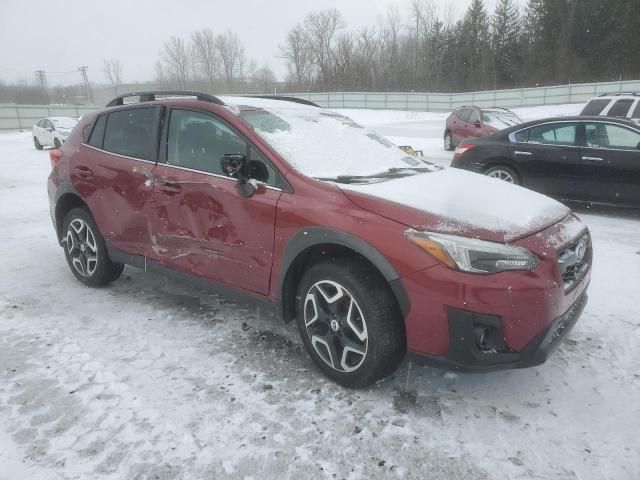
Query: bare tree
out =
(176, 59)
(297, 51)
(321, 28)
(112, 69)
(231, 54)
(264, 78)
(206, 57)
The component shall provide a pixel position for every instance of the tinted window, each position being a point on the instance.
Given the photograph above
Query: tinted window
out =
(198, 141)
(95, 140)
(620, 108)
(463, 114)
(603, 135)
(549, 134)
(474, 117)
(131, 132)
(595, 107)
(636, 112)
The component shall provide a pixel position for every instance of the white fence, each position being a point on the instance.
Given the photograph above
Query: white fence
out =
(24, 116)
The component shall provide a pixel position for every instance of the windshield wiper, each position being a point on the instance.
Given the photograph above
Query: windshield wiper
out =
(395, 172)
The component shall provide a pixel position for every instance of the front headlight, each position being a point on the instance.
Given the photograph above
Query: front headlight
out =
(472, 255)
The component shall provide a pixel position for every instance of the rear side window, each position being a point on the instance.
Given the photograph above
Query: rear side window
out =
(549, 134)
(636, 112)
(595, 107)
(97, 134)
(131, 132)
(620, 108)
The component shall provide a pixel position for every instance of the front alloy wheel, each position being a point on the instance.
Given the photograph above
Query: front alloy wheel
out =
(81, 247)
(335, 326)
(503, 173)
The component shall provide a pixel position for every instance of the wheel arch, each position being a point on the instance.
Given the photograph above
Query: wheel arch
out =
(310, 245)
(68, 199)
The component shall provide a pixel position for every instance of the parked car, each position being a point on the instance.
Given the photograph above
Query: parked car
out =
(592, 159)
(371, 251)
(622, 105)
(52, 131)
(473, 122)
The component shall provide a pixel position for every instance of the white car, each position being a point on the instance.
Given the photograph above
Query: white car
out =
(622, 105)
(52, 131)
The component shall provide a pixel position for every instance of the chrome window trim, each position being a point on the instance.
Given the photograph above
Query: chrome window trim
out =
(116, 154)
(268, 187)
(512, 135)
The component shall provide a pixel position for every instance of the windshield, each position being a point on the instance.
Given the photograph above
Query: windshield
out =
(500, 119)
(64, 122)
(329, 146)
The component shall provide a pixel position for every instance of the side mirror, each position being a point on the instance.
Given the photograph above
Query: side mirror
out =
(478, 124)
(235, 165)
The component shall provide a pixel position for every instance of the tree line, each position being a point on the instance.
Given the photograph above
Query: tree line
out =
(420, 48)
(425, 49)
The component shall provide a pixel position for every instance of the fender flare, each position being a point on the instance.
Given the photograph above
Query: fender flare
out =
(309, 237)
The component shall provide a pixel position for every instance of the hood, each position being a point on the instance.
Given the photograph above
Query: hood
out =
(462, 203)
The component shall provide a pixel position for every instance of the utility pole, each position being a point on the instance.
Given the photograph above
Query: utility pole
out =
(42, 78)
(85, 79)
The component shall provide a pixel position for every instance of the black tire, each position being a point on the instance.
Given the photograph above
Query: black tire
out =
(98, 272)
(500, 171)
(448, 142)
(56, 143)
(37, 143)
(376, 312)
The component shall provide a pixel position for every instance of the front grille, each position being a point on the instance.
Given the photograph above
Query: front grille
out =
(574, 261)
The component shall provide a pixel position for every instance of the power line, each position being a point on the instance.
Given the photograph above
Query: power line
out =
(87, 86)
(42, 78)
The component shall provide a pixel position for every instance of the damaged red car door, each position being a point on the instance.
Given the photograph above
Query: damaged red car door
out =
(204, 226)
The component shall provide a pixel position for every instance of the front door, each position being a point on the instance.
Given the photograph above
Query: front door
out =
(610, 170)
(204, 226)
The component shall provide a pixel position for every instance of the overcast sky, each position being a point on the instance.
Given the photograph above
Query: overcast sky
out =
(59, 36)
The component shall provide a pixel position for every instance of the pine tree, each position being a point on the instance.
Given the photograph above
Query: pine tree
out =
(476, 45)
(506, 26)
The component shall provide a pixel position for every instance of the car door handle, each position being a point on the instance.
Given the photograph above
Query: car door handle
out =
(526, 154)
(170, 188)
(593, 159)
(84, 172)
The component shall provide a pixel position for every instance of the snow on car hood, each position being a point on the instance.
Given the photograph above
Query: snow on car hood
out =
(461, 203)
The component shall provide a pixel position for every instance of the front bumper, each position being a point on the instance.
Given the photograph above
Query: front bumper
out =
(464, 354)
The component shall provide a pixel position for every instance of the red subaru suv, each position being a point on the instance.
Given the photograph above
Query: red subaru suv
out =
(474, 122)
(374, 253)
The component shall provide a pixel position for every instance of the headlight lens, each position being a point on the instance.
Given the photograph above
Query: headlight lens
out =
(472, 255)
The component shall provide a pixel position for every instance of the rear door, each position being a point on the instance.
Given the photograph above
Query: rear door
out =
(548, 156)
(113, 172)
(610, 158)
(203, 225)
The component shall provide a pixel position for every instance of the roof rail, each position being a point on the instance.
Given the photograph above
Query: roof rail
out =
(150, 96)
(619, 94)
(286, 99)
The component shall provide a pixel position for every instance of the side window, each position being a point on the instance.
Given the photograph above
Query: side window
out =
(97, 134)
(620, 108)
(604, 135)
(48, 125)
(522, 136)
(636, 112)
(130, 132)
(198, 141)
(595, 107)
(553, 134)
(464, 114)
(40, 124)
(261, 169)
(474, 117)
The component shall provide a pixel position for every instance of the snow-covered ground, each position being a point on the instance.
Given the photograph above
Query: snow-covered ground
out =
(425, 130)
(156, 379)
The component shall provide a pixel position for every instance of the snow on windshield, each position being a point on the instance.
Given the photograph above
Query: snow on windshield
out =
(64, 122)
(500, 120)
(324, 144)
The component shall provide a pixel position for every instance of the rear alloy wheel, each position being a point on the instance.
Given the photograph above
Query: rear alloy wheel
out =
(503, 173)
(56, 143)
(349, 322)
(37, 143)
(448, 142)
(86, 251)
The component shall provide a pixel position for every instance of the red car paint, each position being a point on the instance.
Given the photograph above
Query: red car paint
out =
(197, 223)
